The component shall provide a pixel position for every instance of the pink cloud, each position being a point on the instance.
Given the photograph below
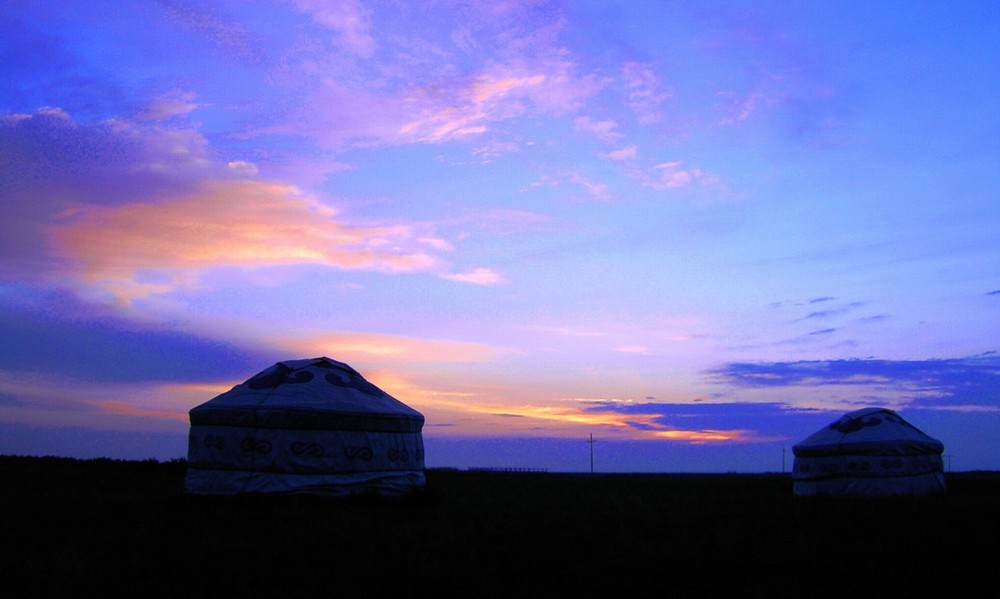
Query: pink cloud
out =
(672, 176)
(477, 276)
(448, 112)
(485, 99)
(626, 153)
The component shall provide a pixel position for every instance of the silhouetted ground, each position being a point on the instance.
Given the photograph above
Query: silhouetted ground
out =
(115, 528)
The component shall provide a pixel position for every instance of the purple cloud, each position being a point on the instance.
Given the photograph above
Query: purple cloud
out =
(92, 343)
(969, 381)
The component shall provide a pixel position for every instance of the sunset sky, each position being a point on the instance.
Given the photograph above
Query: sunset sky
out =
(697, 230)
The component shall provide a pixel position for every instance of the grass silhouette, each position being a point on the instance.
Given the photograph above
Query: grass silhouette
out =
(122, 528)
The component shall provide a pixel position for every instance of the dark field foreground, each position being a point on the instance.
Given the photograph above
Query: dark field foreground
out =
(113, 528)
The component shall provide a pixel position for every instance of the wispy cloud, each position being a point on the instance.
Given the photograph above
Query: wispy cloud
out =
(633, 349)
(506, 221)
(873, 319)
(838, 311)
(604, 130)
(172, 104)
(494, 148)
(374, 83)
(823, 331)
(449, 110)
(626, 153)
(673, 175)
(735, 109)
(597, 191)
(477, 276)
(231, 36)
(477, 105)
(348, 19)
(645, 95)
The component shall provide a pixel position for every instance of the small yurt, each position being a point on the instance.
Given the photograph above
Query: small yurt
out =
(305, 426)
(869, 452)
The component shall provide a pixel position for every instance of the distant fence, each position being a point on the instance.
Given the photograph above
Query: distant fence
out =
(507, 469)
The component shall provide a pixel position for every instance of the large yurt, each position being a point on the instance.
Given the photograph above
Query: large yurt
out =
(869, 452)
(311, 426)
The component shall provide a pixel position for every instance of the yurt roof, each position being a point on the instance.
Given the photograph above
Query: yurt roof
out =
(870, 431)
(316, 393)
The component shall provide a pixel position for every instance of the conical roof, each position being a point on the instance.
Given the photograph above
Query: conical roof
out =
(316, 393)
(870, 431)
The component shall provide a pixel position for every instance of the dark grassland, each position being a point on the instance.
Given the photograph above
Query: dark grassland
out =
(116, 528)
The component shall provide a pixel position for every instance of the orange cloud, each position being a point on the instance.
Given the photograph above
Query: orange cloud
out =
(362, 347)
(63, 401)
(157, 401)
(699, 436)
(471, 410)
(124, 408)
(244, 224)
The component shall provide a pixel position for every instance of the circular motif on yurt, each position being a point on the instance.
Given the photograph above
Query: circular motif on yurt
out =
(313, 449)
(279, 376)
(353, 382)
(358, 453)
(215, 441)
(253, 445)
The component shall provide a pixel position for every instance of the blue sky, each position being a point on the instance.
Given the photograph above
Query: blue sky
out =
(696, 230)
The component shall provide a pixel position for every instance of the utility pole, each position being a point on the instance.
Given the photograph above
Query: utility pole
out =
(591, 442)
